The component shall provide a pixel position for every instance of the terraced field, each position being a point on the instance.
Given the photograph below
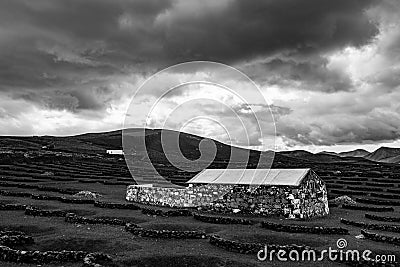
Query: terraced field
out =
(37, 199)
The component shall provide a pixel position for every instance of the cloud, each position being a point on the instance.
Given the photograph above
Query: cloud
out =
(328, 69)
(313, 73)
(97, 38)
(342, 118)
(374, 127)
(238, 30)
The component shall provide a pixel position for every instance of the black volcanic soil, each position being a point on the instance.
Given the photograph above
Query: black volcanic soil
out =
(109, 176)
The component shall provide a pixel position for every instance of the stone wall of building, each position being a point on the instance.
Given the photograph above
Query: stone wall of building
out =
(313, 198)
(176, 197)
(305, 201)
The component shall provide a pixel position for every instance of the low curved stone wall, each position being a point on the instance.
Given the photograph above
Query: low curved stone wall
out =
(87, 181)
(77, 200)
(382, 218)
(168, 213)
(347, 192)
(73, 218)
(26, 186)
(221, 220)
(236, 246)
(378, 202)
(152, 212)
(38, 257)
(108, 205)
(68, 191)
(381, 238)
(14, 194)
(250, 248)
(385, 184)
(21, 256)
(139, 231)
(45, 197)
(32, 211)
(178, 212)
(12, 206)
(367, 208)
(3, 233)
(63, 199)
(387, 196)
(372, 226)
(13, 239)
(304, 229)
(394, 191)
(363, 188)
(254, 248)
(6, 184)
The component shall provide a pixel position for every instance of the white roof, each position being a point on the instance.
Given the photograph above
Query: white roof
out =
(289, 177)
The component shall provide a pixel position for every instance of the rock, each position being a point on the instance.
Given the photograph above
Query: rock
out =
(342, 200)
(87, 194)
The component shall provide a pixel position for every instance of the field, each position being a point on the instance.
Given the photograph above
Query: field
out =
(49, 182)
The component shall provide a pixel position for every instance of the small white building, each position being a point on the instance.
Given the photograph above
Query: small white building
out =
(115, 152)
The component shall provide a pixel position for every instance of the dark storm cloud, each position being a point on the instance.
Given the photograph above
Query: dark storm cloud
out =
(372, 127)
(60, 37)
(55, 52)
(243, 29)
(313, 73)
(71, 55)
(71, 100)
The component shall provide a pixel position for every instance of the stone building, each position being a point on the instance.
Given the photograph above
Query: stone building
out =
(292, 193)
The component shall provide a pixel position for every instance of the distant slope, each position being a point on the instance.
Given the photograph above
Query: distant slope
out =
(354, 153)
(305, 155)
(328, 153)
(395, 159)
(321, 157)
(385, 154)
(105, 140)
(65, 144)
(98, 143)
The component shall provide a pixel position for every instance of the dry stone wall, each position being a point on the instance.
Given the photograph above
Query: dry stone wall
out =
(139, 231)
(372, 226)
(321, 230)
(382, 218)
(251, 248)
(381, 238)
(176, 197)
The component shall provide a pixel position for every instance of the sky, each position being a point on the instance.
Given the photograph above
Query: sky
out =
(328, 71)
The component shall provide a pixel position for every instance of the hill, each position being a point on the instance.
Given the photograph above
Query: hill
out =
(354, 153)
(385, 154)
(148, 141)
(319, 157)
(328, 153)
